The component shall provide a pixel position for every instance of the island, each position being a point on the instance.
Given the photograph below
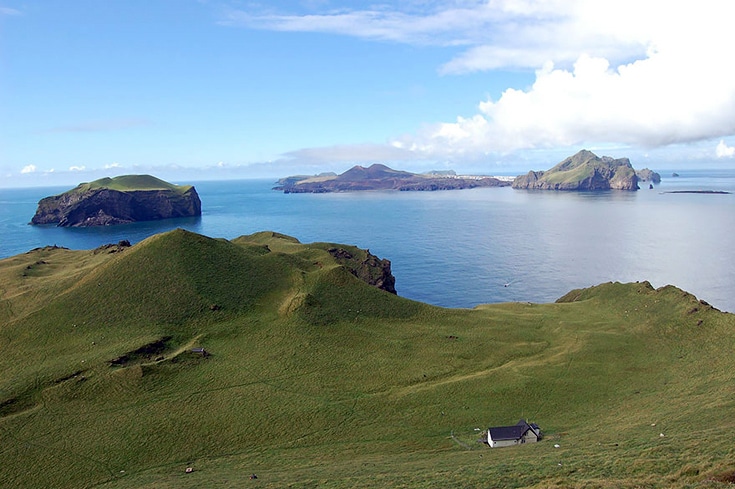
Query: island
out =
(119, 200)
(381, 177)
(583, 171)
(648, 175)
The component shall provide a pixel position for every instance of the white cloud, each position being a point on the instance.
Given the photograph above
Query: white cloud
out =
(114, 164)
(77, 168)
(647, 103)
(9, 11)
(724, 151)
(29, 169)
(497, 33)
(628, 72)
(681, 91)
(384, 24)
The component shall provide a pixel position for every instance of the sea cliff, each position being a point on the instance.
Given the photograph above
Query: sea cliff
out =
(119, 200)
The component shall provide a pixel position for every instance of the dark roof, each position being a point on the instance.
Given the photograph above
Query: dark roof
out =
(515, 432)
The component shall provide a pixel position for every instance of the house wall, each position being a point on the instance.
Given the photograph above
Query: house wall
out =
(530, 437)
(501, 443)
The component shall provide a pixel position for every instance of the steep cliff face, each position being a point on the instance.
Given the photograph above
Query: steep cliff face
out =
(367, 267)
(95, 205)
(583, 171)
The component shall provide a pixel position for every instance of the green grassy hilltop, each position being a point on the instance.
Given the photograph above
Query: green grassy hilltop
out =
(313, 378)
(119, 200)
(125, 183)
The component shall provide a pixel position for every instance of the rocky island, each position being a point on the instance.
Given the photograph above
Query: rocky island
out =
(120, 200)
(583, 171)
(381, 177)
(648, 175)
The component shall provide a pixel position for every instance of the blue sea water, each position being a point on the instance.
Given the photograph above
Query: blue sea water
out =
(468, 247)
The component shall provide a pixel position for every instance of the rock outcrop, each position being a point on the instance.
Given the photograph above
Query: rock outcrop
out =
(647, 175)
(583, 171)
(370, 269)
(120, 200)
(381, 177)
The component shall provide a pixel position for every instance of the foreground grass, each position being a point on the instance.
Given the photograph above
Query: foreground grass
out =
(318, 380)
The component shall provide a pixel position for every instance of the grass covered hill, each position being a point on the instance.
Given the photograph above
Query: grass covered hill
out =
(582, 171)
(125, 183)
(265, 355)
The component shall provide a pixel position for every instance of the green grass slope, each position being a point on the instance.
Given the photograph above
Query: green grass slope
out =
(315, 379)
(132, 182)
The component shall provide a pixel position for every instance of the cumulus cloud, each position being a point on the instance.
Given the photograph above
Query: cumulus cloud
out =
(77, 168)
(648, 103)
(724, 151)
(114, 164)
(29, 169)
(680, 91)
(627, 72)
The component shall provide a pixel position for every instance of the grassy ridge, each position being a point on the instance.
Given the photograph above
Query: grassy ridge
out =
(125, 183)
(317, 380)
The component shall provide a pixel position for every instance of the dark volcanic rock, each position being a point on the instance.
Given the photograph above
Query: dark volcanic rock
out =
(97, 204)
(371, 269)
(583, 171)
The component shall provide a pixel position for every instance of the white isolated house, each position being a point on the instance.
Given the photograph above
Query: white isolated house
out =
(506, 436)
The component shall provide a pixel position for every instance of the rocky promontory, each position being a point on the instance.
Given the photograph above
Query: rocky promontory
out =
(583, 171)
(381, 177)
(119, 200)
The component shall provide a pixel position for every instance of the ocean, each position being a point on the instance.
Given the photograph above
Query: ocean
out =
(462, 248)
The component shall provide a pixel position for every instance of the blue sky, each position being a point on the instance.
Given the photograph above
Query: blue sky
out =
(218, 89)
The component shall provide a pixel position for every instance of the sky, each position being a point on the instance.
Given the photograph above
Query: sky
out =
(224, 89)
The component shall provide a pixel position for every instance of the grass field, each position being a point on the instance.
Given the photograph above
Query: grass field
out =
(315, 379)
(132, 182)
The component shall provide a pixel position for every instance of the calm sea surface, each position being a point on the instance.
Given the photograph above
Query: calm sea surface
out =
(467, 247)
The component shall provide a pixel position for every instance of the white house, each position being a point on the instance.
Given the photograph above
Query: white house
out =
(506, 436)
